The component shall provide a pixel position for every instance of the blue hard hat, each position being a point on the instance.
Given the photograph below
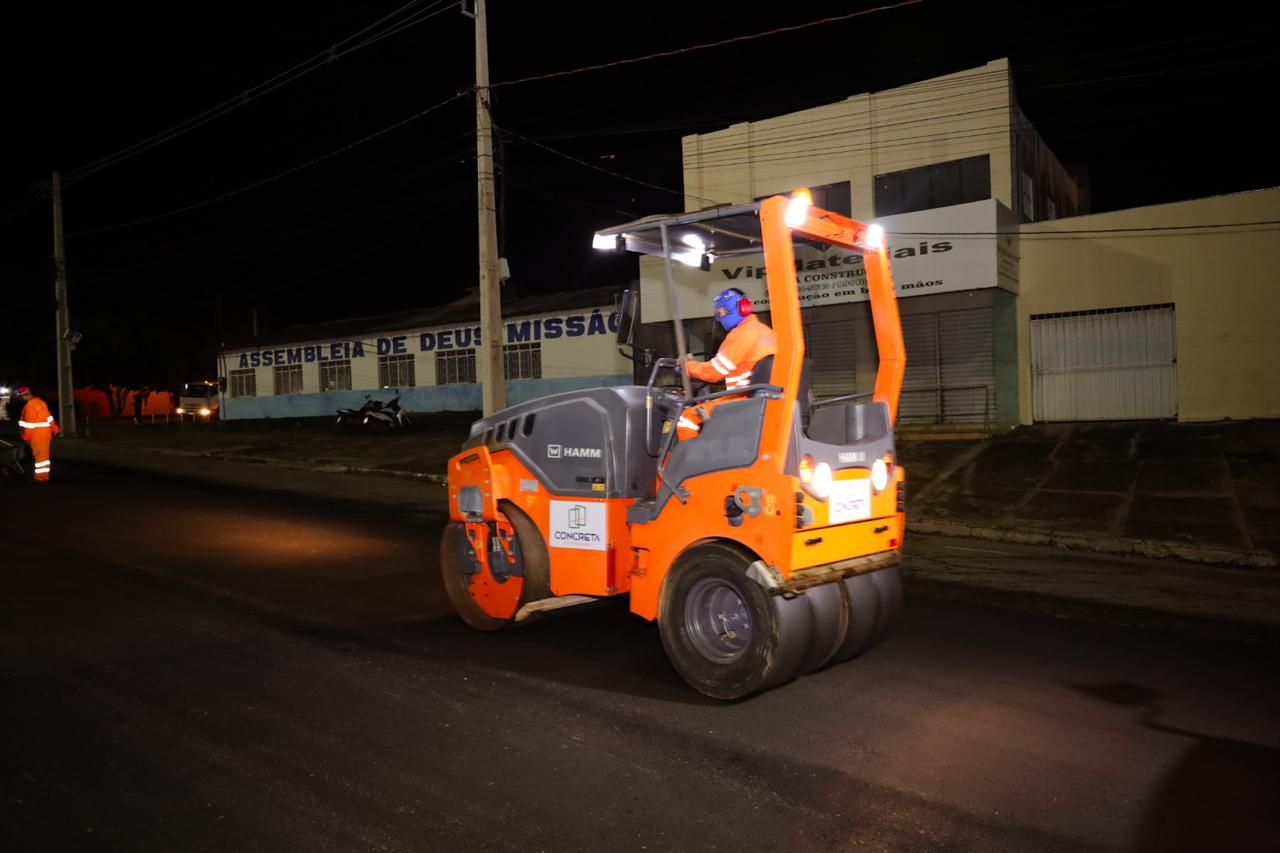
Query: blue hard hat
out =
(732, 307)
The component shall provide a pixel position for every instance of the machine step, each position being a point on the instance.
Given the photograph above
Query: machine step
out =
(533, 608)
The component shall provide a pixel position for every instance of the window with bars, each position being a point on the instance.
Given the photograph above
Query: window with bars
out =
(335, 375)
(455, 367)
(522, 361)
(243, 383)
(396, 371)
(288, 378)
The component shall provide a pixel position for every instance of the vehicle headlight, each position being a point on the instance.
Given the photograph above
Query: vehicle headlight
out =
(207, 412)
(180, 411)
(879, 475)
(821, 485)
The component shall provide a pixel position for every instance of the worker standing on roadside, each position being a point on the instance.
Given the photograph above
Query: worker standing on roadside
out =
(748, 341)
(38, 430)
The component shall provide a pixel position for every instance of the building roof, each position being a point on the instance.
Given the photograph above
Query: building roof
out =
(464, 310)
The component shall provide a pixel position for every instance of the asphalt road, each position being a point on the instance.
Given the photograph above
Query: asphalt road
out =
(192, 668)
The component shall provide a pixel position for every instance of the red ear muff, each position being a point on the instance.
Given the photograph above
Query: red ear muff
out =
(744, 307)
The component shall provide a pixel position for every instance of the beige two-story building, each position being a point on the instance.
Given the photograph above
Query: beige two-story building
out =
(1016, 305)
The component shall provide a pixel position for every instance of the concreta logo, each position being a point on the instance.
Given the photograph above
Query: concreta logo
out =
(577, 519)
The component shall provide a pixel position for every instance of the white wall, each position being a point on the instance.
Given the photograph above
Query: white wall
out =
(576, 343)
(1224, 284)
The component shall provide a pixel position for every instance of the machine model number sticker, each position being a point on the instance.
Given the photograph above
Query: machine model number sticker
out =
(579, 524)
(850, 456)
(850, 501)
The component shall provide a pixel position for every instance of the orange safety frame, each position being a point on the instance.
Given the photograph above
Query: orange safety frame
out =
(772, 535)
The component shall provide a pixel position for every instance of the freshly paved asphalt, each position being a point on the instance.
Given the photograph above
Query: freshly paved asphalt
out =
(188, 667)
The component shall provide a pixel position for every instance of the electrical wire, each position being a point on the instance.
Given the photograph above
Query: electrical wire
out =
(1079, 233)
(620, 175)
(945, 86)
(735, 40)
(229, 105)
(275, 177)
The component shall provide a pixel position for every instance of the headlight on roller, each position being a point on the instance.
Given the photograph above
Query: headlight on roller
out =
(879, 475)
(821, 485)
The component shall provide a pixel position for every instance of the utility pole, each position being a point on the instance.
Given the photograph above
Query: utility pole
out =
(66, 388)
(490, 362)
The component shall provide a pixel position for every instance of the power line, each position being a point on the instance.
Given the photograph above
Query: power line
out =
(529, 186)
(947, 87)
(1078, 233)
(278, 175)
(842, 125)
(1191, 230)
(591, 165)
(418, 18)
(251, 94)
(36, 192)
(735, 40)
(778, 110)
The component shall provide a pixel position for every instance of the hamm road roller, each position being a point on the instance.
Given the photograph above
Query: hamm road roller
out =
(766, 546)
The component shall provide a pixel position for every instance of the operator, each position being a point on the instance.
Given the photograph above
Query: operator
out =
(38, 430)
(748, 341)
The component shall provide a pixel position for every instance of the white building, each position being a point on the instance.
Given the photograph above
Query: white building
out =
(553, 343)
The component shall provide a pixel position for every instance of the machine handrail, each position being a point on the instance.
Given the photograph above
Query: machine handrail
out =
(862, 395)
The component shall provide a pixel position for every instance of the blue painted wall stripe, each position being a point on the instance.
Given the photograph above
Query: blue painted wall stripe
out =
(430, 398)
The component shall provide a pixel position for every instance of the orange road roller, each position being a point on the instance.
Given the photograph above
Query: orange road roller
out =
(766, 546)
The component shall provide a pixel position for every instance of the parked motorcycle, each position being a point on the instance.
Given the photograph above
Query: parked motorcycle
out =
(390, 416)
(375, 414)
(356, 417)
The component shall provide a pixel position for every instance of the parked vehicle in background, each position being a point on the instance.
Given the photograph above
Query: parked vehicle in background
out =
(375, 414)
(198, 401)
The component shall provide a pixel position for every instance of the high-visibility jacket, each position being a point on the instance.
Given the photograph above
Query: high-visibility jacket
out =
(747, 343)
(35, 416)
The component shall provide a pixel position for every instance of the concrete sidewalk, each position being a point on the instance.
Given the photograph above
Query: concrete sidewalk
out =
(1201, 492)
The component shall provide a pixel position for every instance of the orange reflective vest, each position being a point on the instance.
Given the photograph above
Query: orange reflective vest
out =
(35, 416)
(746, 343)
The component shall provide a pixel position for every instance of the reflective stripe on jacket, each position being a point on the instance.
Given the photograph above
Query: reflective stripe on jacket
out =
(35, 415)
(744, 346)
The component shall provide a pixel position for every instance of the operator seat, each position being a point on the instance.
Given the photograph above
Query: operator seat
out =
(804, 398)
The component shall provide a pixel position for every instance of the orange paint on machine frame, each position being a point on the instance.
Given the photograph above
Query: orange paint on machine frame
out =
(765, 543)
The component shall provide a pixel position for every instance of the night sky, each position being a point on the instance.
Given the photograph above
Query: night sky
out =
(1161, 101)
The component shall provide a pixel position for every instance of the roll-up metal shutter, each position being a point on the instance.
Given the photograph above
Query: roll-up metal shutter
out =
(920, 402)
(831, 352)
(950, 374)
(1111, 364)
(967, 342)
